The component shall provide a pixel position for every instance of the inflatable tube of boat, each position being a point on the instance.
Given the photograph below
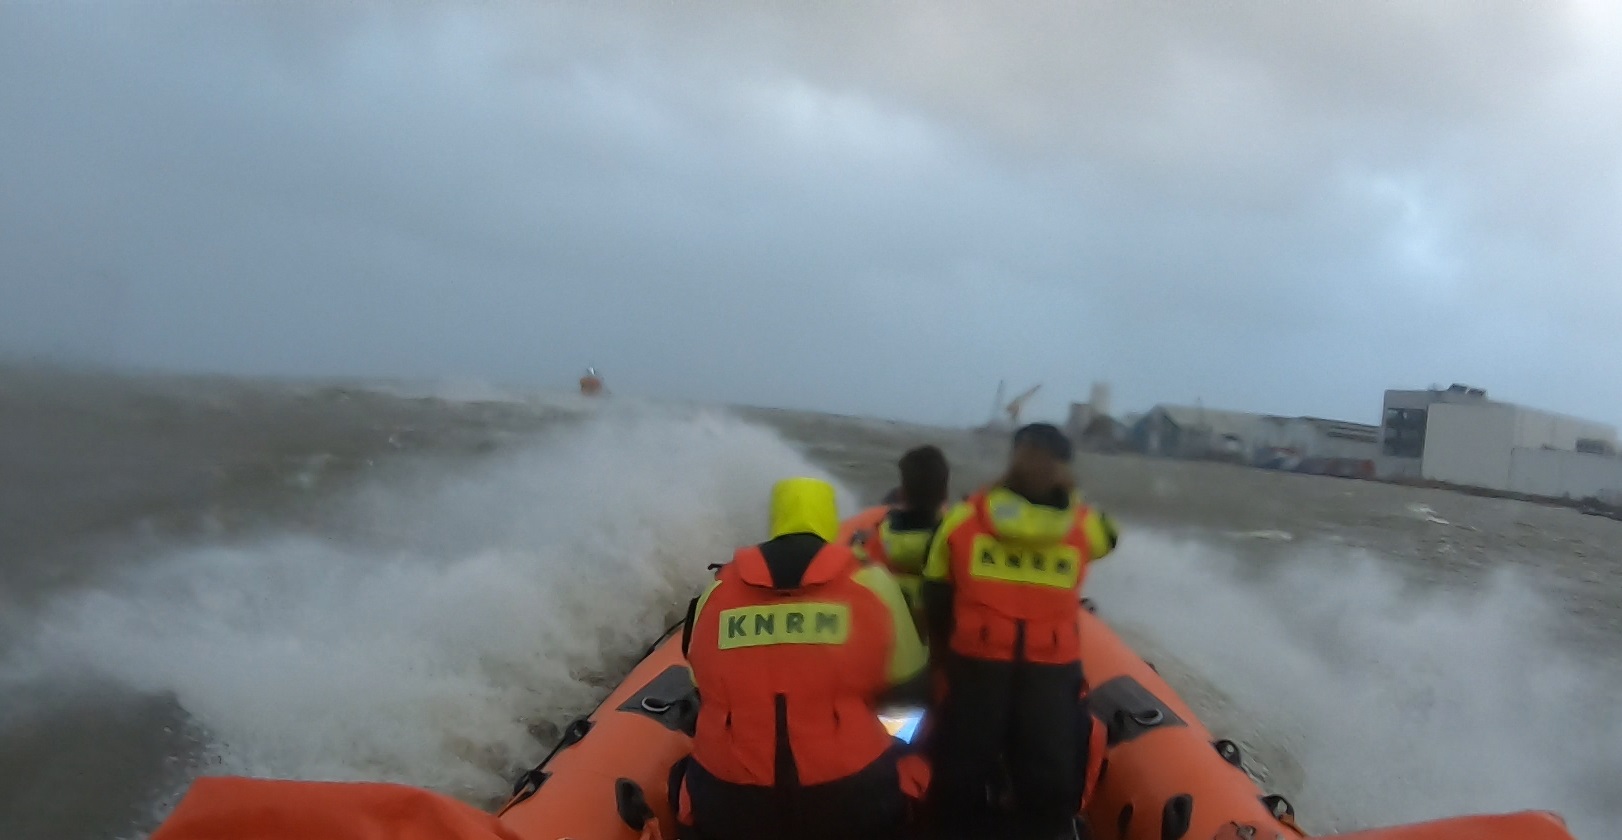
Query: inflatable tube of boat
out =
(1164, 776)
(609, 776)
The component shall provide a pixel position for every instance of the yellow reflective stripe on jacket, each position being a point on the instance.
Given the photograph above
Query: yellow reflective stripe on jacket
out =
(908, 656)
(1101, 534)
(703, 598)
(938, 561)
(905, 548)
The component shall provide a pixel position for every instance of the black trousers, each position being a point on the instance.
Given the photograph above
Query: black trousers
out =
(1006, 726)
(867, 805)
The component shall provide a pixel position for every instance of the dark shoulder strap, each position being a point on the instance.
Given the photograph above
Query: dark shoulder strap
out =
(687, 626)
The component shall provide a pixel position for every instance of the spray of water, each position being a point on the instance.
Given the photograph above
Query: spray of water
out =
(1366, 704)
(466, 608)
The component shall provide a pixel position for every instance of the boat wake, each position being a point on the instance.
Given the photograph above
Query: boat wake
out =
(465, 612)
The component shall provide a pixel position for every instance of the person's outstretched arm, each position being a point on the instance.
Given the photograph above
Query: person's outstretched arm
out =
(1099, 529)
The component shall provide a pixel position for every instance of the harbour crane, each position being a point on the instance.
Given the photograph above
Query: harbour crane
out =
(1016, 404)
(1010, 409)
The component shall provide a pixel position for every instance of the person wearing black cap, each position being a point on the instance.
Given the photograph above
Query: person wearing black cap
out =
(1001, 586)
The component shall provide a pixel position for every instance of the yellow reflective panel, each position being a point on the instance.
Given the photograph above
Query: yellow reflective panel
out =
(906, 549)
(1057, 565)
(803, 623)
(1012, 516)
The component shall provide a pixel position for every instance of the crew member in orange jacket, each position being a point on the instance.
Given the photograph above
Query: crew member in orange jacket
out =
(902, 538)
(1001, 588)
(792, 649)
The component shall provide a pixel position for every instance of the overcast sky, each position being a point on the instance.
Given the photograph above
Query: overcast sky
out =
(865, 208)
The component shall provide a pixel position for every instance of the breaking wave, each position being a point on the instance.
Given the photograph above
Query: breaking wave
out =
(471, 607)
(1368, 703)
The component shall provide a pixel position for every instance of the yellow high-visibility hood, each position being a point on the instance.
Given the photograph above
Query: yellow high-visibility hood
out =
(804, 506)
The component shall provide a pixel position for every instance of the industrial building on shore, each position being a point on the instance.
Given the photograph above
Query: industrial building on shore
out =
(1458, 436)
(1454, 436)
(1300, 444)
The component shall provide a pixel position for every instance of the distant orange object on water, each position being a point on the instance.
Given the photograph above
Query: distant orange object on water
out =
(591, 384)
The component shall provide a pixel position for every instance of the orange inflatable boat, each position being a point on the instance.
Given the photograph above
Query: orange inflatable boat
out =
(1163, 775)
(591, 385)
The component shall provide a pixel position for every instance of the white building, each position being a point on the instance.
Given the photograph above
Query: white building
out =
(1459, 436)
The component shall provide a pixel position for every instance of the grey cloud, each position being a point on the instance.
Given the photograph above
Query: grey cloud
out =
(865, 208)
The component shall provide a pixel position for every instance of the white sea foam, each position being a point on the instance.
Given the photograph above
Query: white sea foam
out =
(1371, 704)
(473, 603)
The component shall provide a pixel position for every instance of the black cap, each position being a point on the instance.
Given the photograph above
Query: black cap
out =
(1046, 437)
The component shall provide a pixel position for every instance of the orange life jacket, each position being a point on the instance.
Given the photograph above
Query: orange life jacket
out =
(1014, 601)
(789, 680)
